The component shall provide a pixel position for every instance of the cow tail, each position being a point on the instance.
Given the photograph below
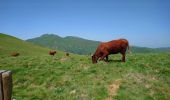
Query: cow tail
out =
(129, 51)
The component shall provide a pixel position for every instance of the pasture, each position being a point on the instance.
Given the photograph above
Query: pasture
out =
(74, 77)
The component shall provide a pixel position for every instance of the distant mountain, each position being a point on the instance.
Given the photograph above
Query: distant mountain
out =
(81, 46)
(163, 49)
(69, 44)
(10, 44)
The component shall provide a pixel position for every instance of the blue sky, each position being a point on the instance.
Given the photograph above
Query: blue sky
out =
(142, 22)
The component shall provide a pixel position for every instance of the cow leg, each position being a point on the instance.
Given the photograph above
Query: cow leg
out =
(103, 56)
(123, 57)
(107, 58)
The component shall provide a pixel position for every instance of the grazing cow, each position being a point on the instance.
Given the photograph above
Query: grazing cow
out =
(52, 52)
(111, 47)
(67, 54)
(14, 54)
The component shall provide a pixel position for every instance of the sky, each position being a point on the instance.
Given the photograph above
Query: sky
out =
(144, 23)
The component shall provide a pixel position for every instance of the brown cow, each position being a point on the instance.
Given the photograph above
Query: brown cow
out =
(67, 54)
(14, 54)
(52, 52)
(111, 47)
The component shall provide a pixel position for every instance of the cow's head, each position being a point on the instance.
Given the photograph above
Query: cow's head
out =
(94, 59)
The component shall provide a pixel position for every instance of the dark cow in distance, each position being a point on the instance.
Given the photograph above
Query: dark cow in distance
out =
(52, 52)
(14, 54)
(111, 47)
(67, 54)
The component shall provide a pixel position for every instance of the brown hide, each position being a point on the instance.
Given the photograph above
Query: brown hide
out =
(111, 47)
(52, 52)
(14, 54)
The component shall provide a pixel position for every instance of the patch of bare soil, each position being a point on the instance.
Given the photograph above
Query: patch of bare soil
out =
(84, 66)
(63, 59)
(113, 89)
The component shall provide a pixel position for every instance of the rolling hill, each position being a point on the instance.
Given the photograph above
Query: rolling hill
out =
(10, 44)
(80, 46)
(70, 44)
(141, 77)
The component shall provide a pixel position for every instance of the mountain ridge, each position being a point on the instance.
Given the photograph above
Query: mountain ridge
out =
(79, 45)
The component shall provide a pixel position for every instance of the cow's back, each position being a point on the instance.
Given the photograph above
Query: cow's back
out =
(116, 46)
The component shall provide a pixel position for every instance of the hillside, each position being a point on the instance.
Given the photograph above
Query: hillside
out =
(69, 43)
(74, 77)
(81, 46)
(137, 49)
(163, 49)
(10, 44)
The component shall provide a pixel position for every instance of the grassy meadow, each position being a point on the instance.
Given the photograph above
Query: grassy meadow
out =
(39, 76)
(142, 77)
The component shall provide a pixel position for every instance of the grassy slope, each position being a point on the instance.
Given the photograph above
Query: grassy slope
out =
(142, 77)
(10, 44)
(69, 44)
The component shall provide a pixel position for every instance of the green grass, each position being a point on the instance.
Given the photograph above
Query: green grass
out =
(143, 77)
(9, 44)
(38, 76)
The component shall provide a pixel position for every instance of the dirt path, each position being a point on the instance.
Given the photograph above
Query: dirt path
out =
(113, 89)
